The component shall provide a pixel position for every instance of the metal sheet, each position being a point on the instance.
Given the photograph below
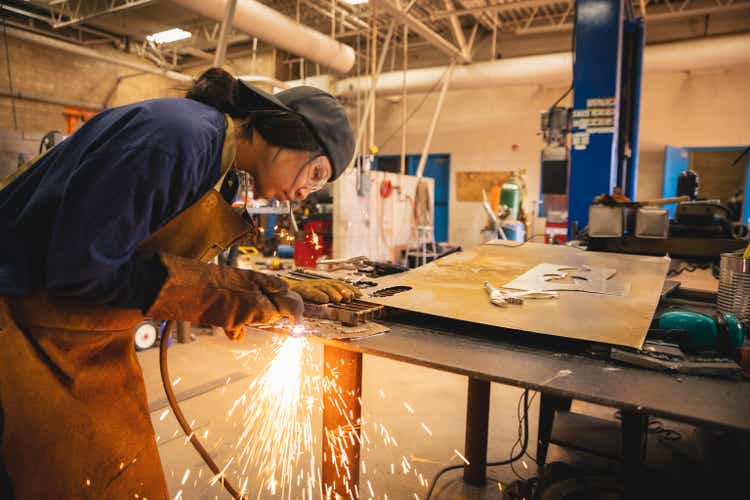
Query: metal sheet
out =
(579, 279)
(452, 287)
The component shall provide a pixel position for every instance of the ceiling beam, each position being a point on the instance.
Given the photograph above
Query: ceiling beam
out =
(659, 17)
(502, 7)
(422, 30)
(458, 32)
(109, 8)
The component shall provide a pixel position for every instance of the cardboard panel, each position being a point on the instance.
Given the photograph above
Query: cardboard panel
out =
(469, 185)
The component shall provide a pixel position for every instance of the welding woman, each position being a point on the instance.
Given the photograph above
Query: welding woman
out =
(117, 222)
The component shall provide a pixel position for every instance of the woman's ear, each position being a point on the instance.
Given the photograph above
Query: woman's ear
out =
(244, 129)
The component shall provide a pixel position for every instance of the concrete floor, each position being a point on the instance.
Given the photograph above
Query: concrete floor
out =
(438, 400)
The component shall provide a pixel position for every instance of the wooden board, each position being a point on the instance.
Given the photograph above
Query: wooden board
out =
(469, 185)
(452, 287)
(717, 180)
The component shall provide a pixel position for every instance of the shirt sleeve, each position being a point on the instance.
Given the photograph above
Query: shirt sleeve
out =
(110, 204)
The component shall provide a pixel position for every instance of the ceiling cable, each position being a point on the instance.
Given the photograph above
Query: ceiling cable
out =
(10, 76)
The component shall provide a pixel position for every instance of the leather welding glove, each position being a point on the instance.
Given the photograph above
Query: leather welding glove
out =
(323, 291)
(218, 295)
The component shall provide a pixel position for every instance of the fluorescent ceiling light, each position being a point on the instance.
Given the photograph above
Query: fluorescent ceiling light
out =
(169, 36)
(355, 2)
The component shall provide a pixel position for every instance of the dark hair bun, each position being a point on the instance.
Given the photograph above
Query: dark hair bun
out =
(219, 89)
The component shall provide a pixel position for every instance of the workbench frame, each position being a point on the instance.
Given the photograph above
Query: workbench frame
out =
(560, 370)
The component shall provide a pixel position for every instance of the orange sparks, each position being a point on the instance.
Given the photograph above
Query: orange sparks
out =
(315, 240)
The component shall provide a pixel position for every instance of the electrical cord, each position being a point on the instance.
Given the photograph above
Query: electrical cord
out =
(10, 76)
(524, 447)
(657, 427)
(186, 428)
(419, 106)
(687, 267)
(518, 441)
(737, 160)
(573, 48)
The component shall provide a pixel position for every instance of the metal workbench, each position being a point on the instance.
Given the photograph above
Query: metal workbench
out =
(559, 369)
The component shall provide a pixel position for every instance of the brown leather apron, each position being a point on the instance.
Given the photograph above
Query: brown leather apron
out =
(76, 419)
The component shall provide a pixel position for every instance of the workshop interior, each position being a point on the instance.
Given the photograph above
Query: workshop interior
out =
(530, 278)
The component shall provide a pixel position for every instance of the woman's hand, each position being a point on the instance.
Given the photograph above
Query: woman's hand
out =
(221, 296)
(289, 304)
(323, 291)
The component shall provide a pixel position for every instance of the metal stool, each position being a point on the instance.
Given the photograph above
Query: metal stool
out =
(425, 247)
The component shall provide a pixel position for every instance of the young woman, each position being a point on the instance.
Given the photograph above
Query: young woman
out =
(117, 222)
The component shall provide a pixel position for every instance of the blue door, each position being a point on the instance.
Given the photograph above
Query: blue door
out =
(675, 161)
(438, 167)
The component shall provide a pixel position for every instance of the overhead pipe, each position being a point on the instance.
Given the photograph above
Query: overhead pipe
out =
(59, 101)
(433, 124)
(268, 80)
(86, 52)
(260, 21)
(371, 98)
(405, 59)
(226, 28)
(703, 53)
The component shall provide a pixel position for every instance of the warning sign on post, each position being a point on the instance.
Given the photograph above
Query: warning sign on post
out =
(598, 118)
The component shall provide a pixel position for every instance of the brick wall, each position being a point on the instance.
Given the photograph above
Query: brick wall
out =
(41, 71)
(44, 72)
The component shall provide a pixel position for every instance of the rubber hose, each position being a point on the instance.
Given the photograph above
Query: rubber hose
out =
(164, 368)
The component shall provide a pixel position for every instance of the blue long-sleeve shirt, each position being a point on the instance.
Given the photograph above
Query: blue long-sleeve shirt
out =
(72, 222)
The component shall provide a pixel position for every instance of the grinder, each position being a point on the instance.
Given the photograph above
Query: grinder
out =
(720, 332)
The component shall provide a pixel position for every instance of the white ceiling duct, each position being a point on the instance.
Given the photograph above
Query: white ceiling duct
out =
(691, 55)
(270, 26)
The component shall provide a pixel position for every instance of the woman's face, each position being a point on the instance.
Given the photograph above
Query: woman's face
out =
(280, 173)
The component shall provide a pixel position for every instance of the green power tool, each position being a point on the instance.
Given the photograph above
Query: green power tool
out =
(696, 332)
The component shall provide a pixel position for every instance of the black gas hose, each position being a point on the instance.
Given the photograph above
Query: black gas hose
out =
(164, 368)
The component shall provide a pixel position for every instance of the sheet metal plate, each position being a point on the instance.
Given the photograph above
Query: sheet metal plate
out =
(452, 287)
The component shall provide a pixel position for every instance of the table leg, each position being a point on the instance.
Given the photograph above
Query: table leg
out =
(477, 420)
(183, 332)
(634, 435)
(548, 405)
(342, 413)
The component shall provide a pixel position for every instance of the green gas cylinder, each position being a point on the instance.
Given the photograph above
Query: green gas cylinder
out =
(510, 196)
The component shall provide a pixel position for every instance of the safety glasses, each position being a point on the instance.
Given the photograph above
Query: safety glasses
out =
(314, 173)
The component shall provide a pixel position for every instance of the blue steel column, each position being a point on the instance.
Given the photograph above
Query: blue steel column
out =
(637, 30)
(596, 74)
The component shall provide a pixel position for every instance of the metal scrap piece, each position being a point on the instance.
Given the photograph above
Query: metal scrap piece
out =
(348, 313)
(548, 277)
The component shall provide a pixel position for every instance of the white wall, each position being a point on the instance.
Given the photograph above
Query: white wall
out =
(479, 129)
(678, 109)
(371, 225)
